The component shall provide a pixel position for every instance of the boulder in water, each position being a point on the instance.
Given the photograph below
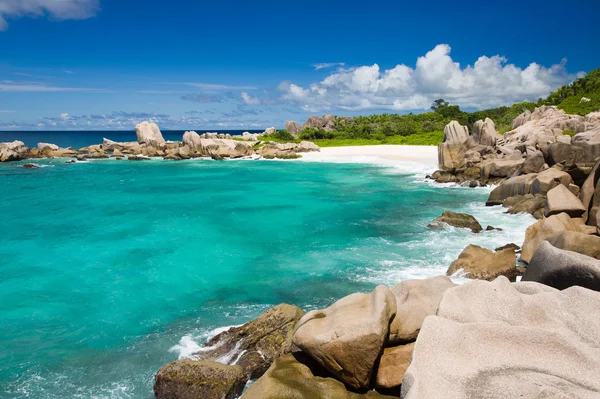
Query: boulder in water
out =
(193, 379)
(482, 264)
(454, 219)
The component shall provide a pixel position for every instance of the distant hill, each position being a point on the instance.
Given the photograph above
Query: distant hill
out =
(569, 97)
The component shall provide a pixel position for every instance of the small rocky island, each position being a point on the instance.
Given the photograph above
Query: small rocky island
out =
(493, 337)
(150, 143)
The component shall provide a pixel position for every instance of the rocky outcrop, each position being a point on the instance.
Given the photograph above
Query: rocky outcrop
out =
(541, 127)
(562, 269)
(560, 200)
(192, 379)
(327, 122)
(348, 337)
(502, 340)
(292, 128)
(452, 151)
(415, 300)
(460, 220)
(482, 264)
(548, 227)
(297, 376)
(13, 151)
(484, 133)
(255, 345)
(149, 134)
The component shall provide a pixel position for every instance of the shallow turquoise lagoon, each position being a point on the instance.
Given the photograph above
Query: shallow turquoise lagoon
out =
(110, 269)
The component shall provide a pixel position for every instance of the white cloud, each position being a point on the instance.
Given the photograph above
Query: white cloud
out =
(6, 111)
(324, 65)
(57, 9)
(68, 72)
(490, 82)
(64, 116)
(14, 87)
(249, 100)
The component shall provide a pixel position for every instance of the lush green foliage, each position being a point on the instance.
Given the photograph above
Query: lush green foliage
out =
(431, 138)
(569, 97)
(281, 136)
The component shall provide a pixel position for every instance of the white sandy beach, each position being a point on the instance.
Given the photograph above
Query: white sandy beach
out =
(376, 154)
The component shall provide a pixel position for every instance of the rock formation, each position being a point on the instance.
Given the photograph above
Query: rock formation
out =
(502, 340)
(255, 345)
(348, 337)
(149, 134)
(292, 128)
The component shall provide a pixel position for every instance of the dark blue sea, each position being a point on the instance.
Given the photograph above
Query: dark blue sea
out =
(78, 139)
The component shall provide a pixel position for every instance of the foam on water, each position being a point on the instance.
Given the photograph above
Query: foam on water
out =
(120, 267)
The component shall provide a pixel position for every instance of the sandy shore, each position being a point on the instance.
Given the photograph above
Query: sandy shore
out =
(377, 154)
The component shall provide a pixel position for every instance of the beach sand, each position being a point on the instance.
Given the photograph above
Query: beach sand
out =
(376, 154)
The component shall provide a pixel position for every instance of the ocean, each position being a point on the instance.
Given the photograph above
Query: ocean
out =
(110, 269)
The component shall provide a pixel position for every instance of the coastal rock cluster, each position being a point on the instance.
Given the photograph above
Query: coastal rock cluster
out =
(537, 141)
(151, 143)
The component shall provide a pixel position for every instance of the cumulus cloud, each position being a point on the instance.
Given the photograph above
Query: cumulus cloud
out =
(489, 82)
(249, 100)
(325, 65)
(56, 9)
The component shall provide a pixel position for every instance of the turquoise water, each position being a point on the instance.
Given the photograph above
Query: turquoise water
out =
(110, 269)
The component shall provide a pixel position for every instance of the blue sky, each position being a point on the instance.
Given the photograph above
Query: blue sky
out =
(109, 64)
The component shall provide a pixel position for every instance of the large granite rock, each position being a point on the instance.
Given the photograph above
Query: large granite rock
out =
(149, 134)
(256, 344)
(296, 377)
(415, 300)
(502, 167)
(562, 269)
(484, 132)
(13, 151)
(307, 146)
(528, 203)
(292, 128)
(392, 366)
(534, 163)
(497, 340)
(545, 228)
(454, 219)
(517, 185)
(550, 178)
(348, 337)
(192, 140)
(560, 200)
(192, 379)
(482, 264)
(588, 191)
(327, 122)
(455, 133)
(451, 152)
